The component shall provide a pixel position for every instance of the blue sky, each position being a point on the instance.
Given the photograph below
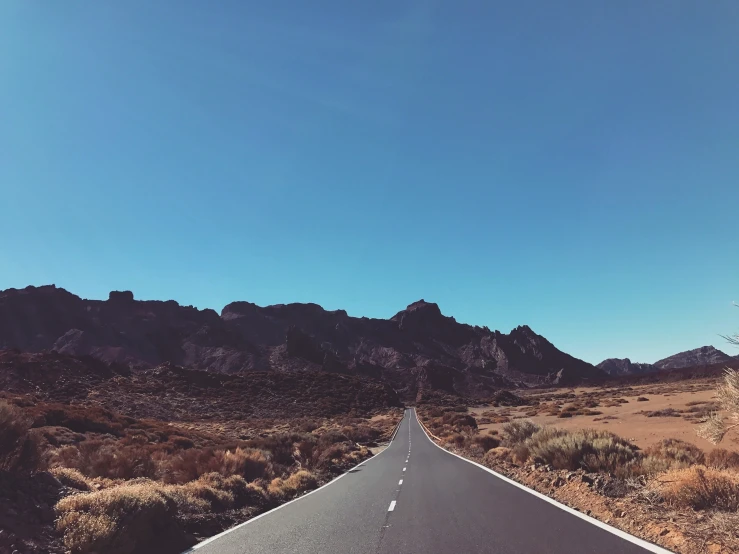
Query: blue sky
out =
(573, 166)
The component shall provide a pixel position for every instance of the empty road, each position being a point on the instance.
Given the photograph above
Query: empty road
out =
(415, 498)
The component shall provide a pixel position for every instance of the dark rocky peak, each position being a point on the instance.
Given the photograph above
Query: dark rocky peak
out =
(420, 308)
(120, 297)
(44, 291)
(239, 309)
(624, 366)
(296, 309)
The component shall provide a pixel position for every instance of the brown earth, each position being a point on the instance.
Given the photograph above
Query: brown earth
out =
(649, 414)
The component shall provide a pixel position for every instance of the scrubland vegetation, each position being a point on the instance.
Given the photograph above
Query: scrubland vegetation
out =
(130, 485)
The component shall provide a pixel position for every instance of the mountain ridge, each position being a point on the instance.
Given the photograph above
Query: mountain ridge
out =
(418, 348)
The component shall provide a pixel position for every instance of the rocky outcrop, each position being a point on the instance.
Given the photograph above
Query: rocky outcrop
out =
(624, 366)
(417, 348)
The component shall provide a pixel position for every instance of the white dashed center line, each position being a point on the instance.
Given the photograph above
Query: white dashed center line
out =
(392, 506)
(400, 482)
(404, 469)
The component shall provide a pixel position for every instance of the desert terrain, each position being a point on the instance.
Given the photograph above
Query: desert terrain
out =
(642, 414)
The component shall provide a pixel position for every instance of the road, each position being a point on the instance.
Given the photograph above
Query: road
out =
(416, 498)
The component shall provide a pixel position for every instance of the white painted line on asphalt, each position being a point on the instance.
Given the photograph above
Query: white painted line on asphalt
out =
(646, 545)
(260, 516)
(404, 469)
(392, 506)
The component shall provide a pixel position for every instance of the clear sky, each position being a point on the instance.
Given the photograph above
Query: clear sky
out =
(569, 165)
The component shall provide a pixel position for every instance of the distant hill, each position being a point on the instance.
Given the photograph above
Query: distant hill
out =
(705, 355)
(417, 349)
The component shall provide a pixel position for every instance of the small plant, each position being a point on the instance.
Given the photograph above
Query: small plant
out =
(700, 488)
(517, 432)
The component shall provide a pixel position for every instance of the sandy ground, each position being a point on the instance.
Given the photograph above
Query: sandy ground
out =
(628, 423)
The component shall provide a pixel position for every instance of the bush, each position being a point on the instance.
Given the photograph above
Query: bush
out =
(520, 453)
(188, 465)
(494, 455)
(700, 488)
(120, 520)
(722, 459)
(517, 432)
(363, 434)
(679, 453)
(588, 448)
(459, 421)
(13, 427)
(287, 488)
(71, 478)
(486, 442)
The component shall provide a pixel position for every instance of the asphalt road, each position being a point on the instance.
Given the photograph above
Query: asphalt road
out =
(415, 498)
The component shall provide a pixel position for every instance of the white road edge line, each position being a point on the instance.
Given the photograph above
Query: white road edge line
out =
(247, 522)
(646, 545)
(392, 506)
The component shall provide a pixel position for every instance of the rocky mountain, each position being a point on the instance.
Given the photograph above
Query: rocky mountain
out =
(705, 355)
(417, 349)
(624, 366)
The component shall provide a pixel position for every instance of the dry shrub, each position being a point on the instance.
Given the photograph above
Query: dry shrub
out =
(457, 439)
(587, 448)
(120, 520)
(71, 478)
(700, 488)
(679, 453)
(188, 465)
(295, 484)
(666, 412)
(141, 515)
(363, 434)
(517, 432)
(485, 442)
(105, 458)
(459, 421)
(14, 426)
(722, 459)
(520, 453)
(494, 455)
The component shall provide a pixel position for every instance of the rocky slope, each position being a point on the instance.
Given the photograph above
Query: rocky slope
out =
(705, 355)
(624, 366)
(417, 349)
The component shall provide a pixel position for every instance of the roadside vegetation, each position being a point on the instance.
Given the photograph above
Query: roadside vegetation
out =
(122, 485)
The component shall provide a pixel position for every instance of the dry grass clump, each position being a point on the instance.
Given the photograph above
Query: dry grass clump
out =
(700, 488)
(666, 412)
(494, 455)
(681, 453)
(120, 520)
(292, 486)
(71, 478)
(722, 459)
(14, 437)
